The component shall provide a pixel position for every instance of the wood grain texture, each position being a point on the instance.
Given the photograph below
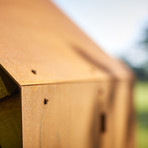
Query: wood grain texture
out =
(105, 99)
(116, 104)
(68, 120)
(33, 38)
(38, 36)
(123, 115)
(40, 45)
(10, 122)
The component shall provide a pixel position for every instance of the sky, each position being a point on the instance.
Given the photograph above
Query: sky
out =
(115, 25)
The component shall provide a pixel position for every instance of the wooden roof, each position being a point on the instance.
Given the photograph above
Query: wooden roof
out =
(39, 44)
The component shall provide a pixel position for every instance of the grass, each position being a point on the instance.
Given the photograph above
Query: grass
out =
(141, 105)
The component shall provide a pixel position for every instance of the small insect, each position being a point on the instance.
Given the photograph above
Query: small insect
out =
(45, 101)
(34, 71)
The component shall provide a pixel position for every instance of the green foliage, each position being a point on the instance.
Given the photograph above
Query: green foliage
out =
(141, 104)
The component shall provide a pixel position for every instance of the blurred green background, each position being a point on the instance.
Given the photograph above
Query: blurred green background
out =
(141, 89)
(141, 106)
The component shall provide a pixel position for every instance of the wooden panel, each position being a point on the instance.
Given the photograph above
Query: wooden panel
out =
(69, 119)
(39, 45)
(32, 39)
(106, 132)
(37, 36)
(123, 115)
(116, 104)
(131, 119)
(10, 122)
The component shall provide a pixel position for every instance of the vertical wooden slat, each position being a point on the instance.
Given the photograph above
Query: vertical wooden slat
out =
(69, 119)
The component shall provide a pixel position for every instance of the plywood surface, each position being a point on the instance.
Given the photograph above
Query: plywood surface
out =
(105, 100)
(69, 119)
(123, 115)
(33, 38)
(40, 45)
(36, 35)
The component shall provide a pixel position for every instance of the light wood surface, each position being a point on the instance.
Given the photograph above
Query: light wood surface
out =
(68, 120)
(33, 38)
(36, 35)
(105, 98)
(39, 45)
(123, 115)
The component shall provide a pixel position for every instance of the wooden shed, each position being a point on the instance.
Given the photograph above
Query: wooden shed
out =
(58, 89)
